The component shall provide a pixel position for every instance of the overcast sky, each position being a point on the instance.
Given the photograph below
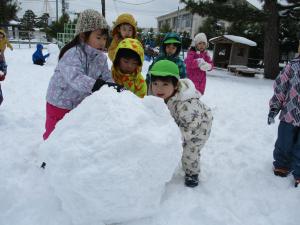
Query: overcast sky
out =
(145, 14)
(145, 11)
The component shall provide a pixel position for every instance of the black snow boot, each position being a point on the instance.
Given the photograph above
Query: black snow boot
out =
(191, 180)
(297, 183)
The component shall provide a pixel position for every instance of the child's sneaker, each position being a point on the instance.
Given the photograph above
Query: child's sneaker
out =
(297, 182)
(191, 180)
(282, 172)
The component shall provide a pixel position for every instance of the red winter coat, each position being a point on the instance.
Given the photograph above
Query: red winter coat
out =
(193, 71)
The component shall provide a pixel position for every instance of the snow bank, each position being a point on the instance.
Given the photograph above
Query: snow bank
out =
(110, 158)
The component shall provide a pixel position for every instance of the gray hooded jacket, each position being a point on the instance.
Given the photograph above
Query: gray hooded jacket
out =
(75, 76)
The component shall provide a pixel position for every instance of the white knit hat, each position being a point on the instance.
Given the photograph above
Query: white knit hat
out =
(90, 20)
(201, 37)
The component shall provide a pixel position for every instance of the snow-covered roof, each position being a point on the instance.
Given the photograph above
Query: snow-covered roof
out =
(14, 22)
(236, 39)
(259, 4)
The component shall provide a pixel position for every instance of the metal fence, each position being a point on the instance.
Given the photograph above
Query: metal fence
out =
(28, 37)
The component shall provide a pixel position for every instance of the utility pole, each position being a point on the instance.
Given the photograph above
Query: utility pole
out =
(103, 7)
(56, 10)
(177, 24)
(63, 7)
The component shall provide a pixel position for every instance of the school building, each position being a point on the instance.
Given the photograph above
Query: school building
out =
(184, 21)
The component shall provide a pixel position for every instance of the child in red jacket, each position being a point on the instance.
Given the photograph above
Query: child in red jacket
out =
(198, 62)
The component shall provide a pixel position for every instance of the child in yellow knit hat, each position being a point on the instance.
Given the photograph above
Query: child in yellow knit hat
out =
(127, 66)
(124, 27)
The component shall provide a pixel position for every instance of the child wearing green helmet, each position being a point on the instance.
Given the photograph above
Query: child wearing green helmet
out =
(169, 50)
(192, 116)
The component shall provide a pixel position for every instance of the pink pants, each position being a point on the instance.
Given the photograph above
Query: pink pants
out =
(53, 115)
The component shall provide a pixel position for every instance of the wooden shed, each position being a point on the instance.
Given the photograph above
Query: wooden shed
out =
(231, 50)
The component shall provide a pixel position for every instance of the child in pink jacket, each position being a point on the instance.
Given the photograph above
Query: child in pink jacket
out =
(198, 62)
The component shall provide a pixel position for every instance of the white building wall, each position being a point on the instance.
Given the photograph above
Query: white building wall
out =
(187, 21)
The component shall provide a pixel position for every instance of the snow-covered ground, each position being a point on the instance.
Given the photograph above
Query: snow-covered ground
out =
(237, 186)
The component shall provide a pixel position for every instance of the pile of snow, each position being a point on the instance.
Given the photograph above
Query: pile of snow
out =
(53, 50)
(236, 162)
(111, 157)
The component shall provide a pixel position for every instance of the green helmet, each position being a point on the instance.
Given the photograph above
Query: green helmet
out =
(164, 68)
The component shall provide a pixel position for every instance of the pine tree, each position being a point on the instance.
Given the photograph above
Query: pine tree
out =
(57, 26)
(165, 28)
(28, 20)
(8, 11)
(211, 27)
(42, 22)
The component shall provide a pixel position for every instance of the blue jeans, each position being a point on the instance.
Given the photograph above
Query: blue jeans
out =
(3, 67)
(287, 148)
(1, 96)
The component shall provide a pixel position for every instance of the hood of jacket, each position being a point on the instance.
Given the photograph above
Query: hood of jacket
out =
(186, 91)
(171, 36)
(134, 45)
(125, 18)
(134, 81)
(39, 47)
(3, 32)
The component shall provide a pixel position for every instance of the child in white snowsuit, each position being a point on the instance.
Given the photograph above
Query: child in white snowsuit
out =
(192, 116)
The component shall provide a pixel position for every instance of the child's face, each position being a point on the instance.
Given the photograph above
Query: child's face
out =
(170, 49)
(97, 40)
(128, 66)
(163, 89)
(201, 46)
(126, 31)
(1, 36)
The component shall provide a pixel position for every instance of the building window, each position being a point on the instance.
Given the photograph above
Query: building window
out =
(175, 21)
(159, 24)
(186, 20)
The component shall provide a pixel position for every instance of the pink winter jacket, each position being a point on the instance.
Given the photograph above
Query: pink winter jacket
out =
(193, 71)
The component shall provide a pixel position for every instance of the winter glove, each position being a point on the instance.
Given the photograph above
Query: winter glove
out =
(118, 87)
(205, 66)
(200, 61)
(98, 84)
(2, 76)
(271, 116)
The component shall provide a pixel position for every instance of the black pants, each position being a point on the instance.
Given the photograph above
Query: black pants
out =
(39, 62)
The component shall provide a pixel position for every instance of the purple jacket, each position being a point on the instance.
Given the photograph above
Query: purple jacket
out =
(193, 71)
(286, 96)
(75, 76)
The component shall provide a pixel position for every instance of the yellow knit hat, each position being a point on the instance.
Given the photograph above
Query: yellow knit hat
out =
(125, 18)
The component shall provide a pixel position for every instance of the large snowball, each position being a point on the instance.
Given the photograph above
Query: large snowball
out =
(54, 52)
(109, 159)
